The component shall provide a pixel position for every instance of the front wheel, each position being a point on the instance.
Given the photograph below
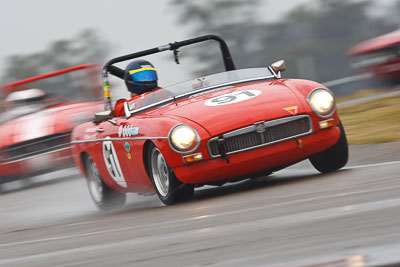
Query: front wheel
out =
(103, 196)
(169, 189)
(334, 157)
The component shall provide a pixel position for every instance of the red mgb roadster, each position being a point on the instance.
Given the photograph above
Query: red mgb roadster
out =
(238, 124)
(40, 113)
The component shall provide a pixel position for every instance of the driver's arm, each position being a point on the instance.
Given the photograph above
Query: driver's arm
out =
(119, 108)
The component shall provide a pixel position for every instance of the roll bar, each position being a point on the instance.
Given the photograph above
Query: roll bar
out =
(109, 68)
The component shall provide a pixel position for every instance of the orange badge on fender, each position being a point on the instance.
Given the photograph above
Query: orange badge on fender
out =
(291, 110)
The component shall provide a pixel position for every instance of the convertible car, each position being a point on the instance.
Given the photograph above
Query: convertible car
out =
(38, 116)
(238, 124)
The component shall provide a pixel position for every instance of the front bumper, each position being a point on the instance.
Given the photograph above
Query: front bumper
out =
(259, 159)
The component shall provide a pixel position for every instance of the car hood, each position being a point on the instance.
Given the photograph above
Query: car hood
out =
(237, 106)
(46, 121)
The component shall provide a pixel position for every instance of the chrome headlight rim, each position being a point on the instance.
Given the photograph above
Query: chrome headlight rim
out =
(319, 115)
(172, 146)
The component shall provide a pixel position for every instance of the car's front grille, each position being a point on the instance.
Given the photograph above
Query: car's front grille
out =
(260, 134)
(35, 147)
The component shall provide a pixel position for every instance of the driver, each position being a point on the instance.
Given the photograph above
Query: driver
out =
(140, 78)
(22, 102)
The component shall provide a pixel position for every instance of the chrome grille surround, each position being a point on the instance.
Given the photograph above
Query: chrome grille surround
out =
(261, 134)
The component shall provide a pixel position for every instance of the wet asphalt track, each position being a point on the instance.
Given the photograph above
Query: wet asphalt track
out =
(296, 217)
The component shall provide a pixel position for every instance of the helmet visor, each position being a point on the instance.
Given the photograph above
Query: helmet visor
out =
(144, 75)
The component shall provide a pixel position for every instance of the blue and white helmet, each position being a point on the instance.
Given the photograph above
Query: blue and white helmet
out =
(140, 77)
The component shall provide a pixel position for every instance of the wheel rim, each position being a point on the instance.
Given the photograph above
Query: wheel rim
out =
(95, 183)
(160, 172)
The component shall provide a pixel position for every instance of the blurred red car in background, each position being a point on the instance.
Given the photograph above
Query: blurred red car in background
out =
(38, 115)
(379, 56)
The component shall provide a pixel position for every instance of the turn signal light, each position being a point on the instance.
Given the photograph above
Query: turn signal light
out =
(193, 158)
(326, 124)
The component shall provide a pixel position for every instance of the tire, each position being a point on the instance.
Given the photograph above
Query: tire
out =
(168, 188)
(103, 196)
(334, 157)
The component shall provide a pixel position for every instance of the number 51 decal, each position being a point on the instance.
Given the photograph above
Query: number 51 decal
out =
(231, 98)
(112, 162)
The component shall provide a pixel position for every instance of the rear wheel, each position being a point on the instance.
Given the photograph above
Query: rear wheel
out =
(169, 189)
(103, 196)
(334, 157)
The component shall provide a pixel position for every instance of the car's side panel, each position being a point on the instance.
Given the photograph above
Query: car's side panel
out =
(36, 165)
(128, 148)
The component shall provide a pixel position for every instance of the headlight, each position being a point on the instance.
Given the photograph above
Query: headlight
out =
(322, 102)
(183, 139)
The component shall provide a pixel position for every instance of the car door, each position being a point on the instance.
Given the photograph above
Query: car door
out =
(109, 151)
(121, 153)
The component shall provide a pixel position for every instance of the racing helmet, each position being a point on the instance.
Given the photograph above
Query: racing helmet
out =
(26, 95)
(140, 77)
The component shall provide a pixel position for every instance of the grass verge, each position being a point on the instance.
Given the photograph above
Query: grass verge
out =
(377, 121)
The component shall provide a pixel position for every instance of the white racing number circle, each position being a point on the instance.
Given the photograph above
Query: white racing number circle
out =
(112, 163)
(231, 98)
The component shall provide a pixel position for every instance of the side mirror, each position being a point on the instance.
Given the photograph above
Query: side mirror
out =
(279, 66)
(102, 116)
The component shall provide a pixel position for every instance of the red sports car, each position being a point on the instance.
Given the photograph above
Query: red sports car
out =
(220, 128)
(379, 56)
(38, 117)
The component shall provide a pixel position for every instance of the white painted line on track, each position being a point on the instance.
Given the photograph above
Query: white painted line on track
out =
(372, 165)
(365, 99)
(226, 229)
(349, 167)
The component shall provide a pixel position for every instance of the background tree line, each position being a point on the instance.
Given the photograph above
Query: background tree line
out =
(313, 39)
(85, 47)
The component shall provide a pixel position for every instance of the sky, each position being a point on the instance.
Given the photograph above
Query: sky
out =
(128, 25)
